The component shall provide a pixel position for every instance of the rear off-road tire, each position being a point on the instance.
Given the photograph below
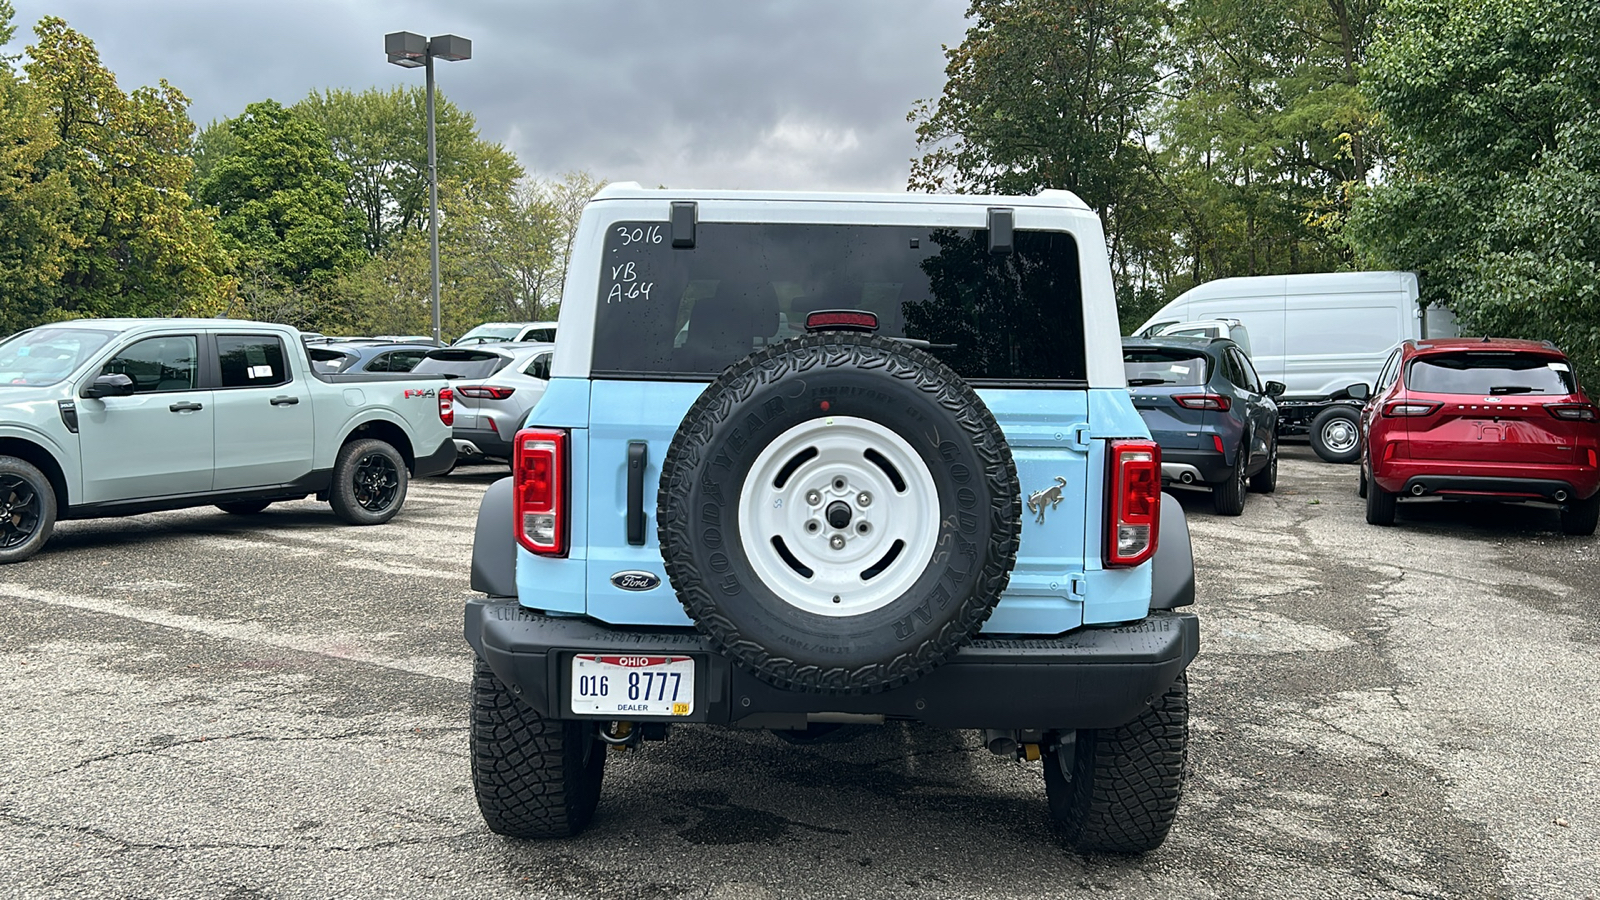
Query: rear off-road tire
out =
(839, 513)
(534, 777)
(1122, 791)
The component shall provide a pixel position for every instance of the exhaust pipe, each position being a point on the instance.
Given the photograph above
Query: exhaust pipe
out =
(1187, 478)
(1560, 496)
(1416, 490)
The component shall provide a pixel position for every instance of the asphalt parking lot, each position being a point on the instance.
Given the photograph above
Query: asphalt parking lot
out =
(199, 705)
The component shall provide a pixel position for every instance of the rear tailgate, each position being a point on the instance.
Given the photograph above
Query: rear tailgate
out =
(1492, 407)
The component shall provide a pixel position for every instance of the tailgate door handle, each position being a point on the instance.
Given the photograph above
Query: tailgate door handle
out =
(285, 401)
(185, 406)
(636, 461)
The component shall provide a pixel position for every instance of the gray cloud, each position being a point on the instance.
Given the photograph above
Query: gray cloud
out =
(701, 93)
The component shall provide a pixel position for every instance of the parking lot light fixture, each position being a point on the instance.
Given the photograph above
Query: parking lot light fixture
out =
(409, 50)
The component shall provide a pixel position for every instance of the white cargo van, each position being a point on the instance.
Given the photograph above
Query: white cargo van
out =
(1318, 334)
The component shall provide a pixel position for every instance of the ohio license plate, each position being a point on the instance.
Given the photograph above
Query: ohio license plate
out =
(628, 686)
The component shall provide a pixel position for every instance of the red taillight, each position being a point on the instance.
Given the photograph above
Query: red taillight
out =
(486, 392)
(1134, 503)
(1573, 412)
(539, 463)
(447, 406)
(1216, 441)
(1407, 408)
(1202, 401)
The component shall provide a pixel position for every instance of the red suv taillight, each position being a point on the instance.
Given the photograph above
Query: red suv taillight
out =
(1572, 412)
(539, 463)
(1202, 401)
(486, 392)
(1406, 408)
(447, 406)
(1133, 517)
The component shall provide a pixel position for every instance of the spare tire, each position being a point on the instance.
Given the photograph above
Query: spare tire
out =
(839, 513)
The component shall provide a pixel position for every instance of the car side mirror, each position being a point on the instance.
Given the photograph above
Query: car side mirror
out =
(1275, 389)
(1359, 391)
(118, 385)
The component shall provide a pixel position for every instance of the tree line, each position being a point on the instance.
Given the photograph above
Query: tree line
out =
(1459, 139)
(312, 214)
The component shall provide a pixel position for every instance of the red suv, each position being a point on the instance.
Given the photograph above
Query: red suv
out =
(1484, 419)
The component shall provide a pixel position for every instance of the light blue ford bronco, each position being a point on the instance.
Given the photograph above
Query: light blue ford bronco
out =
(812, 459)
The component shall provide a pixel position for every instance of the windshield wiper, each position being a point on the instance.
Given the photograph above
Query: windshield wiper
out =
(1145, 382)
(1514, 389)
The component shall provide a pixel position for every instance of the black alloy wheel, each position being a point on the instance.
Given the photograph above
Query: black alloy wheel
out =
(21, 510)
(376, 482)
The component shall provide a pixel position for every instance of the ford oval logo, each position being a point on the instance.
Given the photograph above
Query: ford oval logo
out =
(635, 581)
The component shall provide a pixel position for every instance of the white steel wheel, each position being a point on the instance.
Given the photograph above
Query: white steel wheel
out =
(839, 516)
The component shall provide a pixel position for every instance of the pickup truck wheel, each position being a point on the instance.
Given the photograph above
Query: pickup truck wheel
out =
(1580, 516)
(244, 507)
(1227, 497)
(27, 509)
(839, 512)
(1266, 480)
(1380, 505)
(369, 482)
(1120, 792)
(1336, 434)
(534, 777)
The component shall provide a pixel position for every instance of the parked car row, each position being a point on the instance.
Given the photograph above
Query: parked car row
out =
(1450, 419)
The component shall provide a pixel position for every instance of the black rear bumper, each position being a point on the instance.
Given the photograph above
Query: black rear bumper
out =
(1090, 678)
(1489, 487)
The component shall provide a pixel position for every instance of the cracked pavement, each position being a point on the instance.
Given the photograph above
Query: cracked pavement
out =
(199, 705)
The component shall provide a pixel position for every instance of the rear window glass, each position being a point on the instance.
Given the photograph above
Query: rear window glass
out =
(328, 362)
(688, 313)
(1146, 367)
(1488, 373)
(460, 364)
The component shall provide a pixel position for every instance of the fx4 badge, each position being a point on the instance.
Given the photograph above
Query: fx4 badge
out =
(1050, 498)
(635, 581)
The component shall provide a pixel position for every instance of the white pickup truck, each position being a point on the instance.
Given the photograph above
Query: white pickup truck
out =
(112, 417)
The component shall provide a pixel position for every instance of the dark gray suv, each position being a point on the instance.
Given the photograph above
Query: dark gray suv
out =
(1215, 420)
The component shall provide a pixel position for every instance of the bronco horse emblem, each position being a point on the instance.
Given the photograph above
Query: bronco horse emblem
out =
(1038, 500)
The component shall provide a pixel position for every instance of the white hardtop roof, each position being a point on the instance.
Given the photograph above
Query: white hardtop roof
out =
(631, 190)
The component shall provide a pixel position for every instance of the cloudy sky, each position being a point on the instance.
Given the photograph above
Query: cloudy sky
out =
(687, 93)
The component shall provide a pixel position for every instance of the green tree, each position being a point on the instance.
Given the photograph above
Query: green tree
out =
(1265, 133)
(35, 204)
(1044, 94)
(382, 137)
(279, 198)
(1494, 194)
(137, 245)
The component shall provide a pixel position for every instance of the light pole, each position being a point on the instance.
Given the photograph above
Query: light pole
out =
(410, 51)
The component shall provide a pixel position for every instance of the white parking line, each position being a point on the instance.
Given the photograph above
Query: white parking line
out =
(341, 647)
